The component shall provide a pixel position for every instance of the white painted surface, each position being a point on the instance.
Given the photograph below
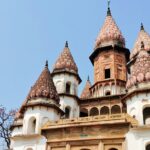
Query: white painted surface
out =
(60, 81)
(136, 104)
(138, 139)
(42, 115)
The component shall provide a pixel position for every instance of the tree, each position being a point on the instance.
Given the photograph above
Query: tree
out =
(6, 120)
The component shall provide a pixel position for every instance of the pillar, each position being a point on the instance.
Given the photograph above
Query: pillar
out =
(68, 146)
(100, 146)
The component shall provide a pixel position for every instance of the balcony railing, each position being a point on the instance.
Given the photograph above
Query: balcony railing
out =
(92, 119)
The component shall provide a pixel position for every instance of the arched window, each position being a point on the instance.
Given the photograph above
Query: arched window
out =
(32, 125)
(115, 109)
(83, 112)
(107, 93)
(67, 112)
(68, 87)
(148, 147)
(146, 115)
(104, 110)
(94, 111)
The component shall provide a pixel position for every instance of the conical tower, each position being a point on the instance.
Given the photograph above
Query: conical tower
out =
(66, 78)
(40, 106)
(144, 37)
(109, 59)
(86, 91)
(138, 84)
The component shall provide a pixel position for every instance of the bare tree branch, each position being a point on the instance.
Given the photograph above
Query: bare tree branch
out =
(6, 120)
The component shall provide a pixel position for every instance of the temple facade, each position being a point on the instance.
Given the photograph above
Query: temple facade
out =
(113, 113)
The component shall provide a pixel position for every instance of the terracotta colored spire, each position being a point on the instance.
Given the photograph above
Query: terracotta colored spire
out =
(140, 71)
(109, 33)
(144, 37)
(86, 90)
(44, 87)
(66, 61)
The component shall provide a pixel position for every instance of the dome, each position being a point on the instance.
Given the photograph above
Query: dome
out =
(109, 33)
(144, 37)
(66, 61)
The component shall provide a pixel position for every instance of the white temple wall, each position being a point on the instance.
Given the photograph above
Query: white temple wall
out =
(136, 104)
(60, 81)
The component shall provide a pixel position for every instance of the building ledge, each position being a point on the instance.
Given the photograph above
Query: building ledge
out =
(26, 136)
(92, 120)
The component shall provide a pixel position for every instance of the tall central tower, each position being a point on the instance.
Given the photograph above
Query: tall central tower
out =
(109, 59)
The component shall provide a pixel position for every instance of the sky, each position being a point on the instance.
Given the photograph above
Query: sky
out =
(33, 31)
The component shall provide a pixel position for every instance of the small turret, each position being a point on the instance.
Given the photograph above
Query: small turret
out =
(66, 79)
(86, 91)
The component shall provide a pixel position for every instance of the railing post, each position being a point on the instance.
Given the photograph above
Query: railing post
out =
(48, 147)
(67, 146)
(100, 146)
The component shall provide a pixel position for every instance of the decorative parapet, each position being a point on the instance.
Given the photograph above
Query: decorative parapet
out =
(101, 119)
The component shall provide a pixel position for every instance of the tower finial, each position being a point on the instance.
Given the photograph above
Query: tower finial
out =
(66, 45)
(46, 64)
(88, 79)
(108, 11)
(142, 26)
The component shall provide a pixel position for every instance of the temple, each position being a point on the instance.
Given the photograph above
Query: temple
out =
(113, 113)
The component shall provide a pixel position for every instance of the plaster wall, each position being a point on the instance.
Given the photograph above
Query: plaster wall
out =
(66, 101)
(60, 81)
(42, 115)
(136, 104)
(137, 139)
(26, 143)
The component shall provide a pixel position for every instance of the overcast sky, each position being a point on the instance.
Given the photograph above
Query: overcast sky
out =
(32, 31)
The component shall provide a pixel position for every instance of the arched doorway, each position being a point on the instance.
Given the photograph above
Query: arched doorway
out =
(32, 126)
(148, 147)
(67, 112)
(107, 93)
(94, 111)
(104, 110)
(68, 88)
(146, 115)
(113, 149)
(115, 109)
(83, 112)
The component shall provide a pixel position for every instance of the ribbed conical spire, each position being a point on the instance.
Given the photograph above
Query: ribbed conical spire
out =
(86, 91)
(144, 37)
(44, 87)
(66, 61)
(109, 33)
